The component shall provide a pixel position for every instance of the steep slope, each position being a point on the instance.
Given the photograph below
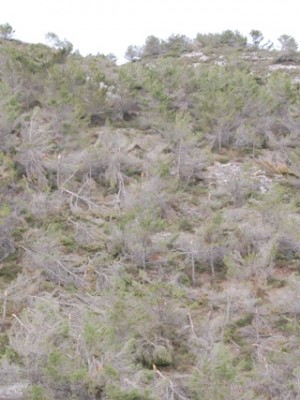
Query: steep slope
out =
(149, 237)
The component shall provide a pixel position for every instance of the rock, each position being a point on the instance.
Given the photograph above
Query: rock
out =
(13, 392)
(197, 55)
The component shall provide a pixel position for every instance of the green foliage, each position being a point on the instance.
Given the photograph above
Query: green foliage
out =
(153, 47)
(6, 31)
(92, 333)
(232, 332)
(4, 210)
(257, 37)
(37, 392)
(149, 220)
(150, 354)
(79, 376)
(133, 53)
(55, 365)
(162, 356)
(174, 46)
(10, 269)
(213, 381)
(64, 45)
(178, 44)
(233, 39)
(288, 43)
(4, 345)
(212, 40)
(115, 393)
(223, 98)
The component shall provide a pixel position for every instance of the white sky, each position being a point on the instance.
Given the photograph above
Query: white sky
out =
(104, 26)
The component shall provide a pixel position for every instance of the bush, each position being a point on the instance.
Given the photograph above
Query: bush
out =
(115, 393)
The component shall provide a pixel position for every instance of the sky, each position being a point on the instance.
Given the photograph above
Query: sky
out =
(110, 26)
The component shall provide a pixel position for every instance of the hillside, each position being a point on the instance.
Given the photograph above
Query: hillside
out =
(150, 222)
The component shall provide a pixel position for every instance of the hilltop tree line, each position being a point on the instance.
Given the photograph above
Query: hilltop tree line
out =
(179, 44)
